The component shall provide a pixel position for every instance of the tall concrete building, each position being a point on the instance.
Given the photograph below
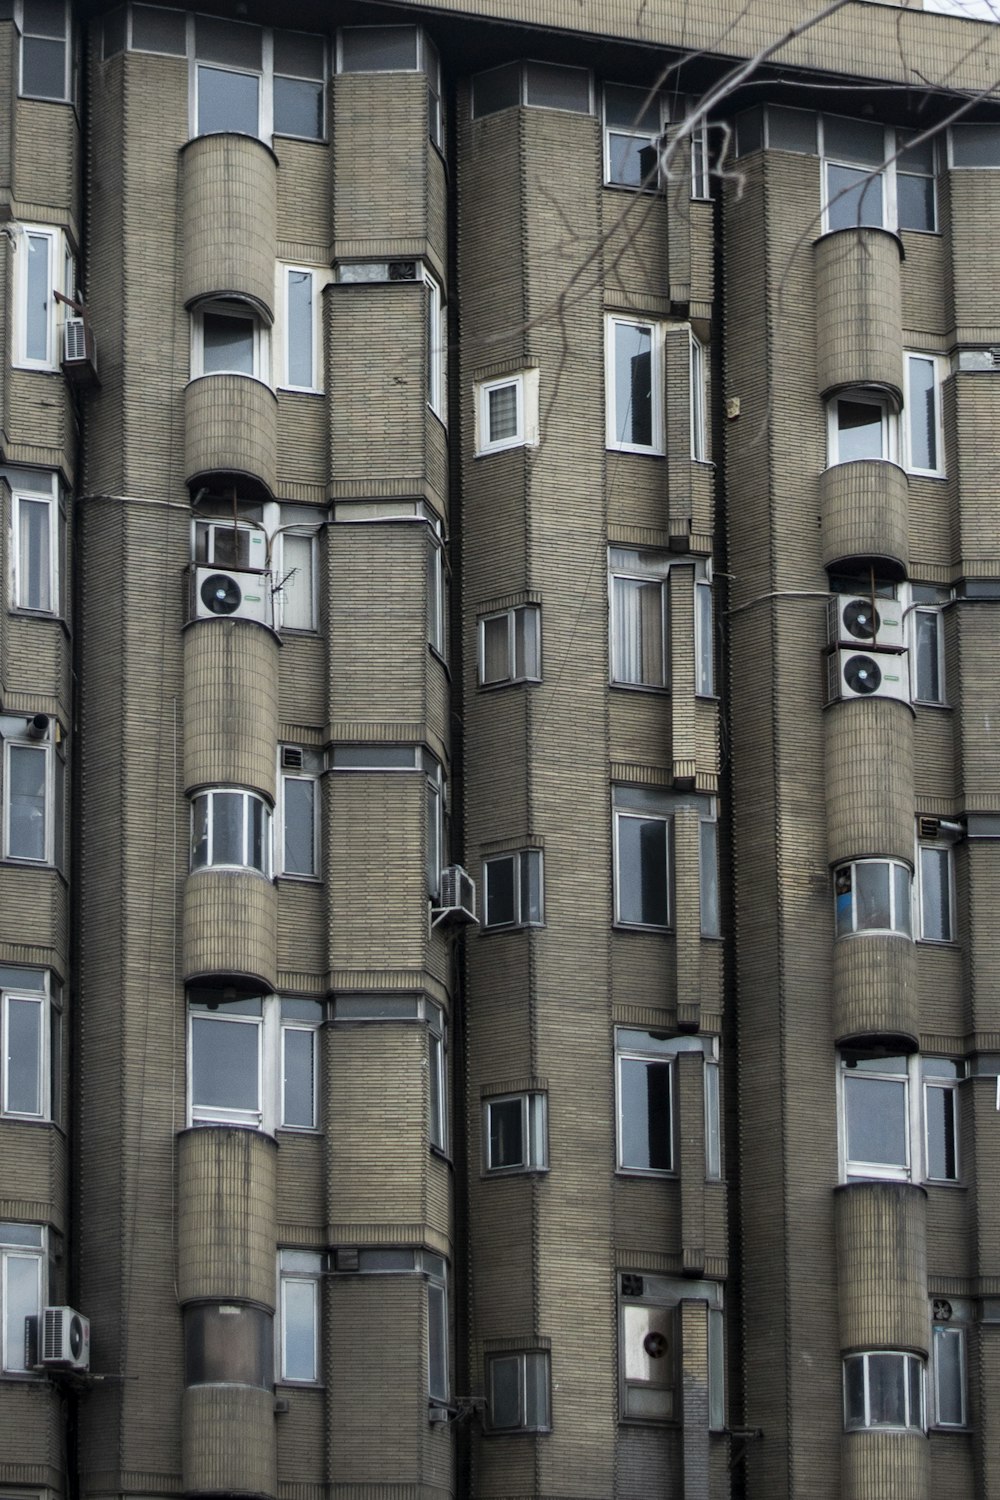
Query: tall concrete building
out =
(500, 569)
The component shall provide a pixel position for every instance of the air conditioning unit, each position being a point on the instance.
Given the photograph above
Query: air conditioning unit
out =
(457, 896)
(864, 674)
(876, 624)
(232, 595)
(79, 360)
(65, 1339)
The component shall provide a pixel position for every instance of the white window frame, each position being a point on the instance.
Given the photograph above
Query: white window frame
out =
(889, 428)
(438, 586)
(701, 167)
(644, 97)
(519, 669)
(630, 565)
(946, 1081)
(437, 348)
(941, 1333)
(527, 866)
(14, 1246)
(898, 169)
(939, 368)
(318, 278)
(525, 434)
(264, 131)
(646, 815)
(699, 399)
(865, 1424)
(914, 1082)
(655, 447)
(19, 740)
(303, 533)
(436, 854)
(704, 638)
(40, 997)
(659, 1050)
(899, 911)
(945, 849)
(534, 1111)
(710, 915)
(45, 491)
(265, 76)
(271, 1026)
(298, 1268)
(922, 611)
(881, 173)
(667, 1294)
(435, 1271)
(66, 97)
(437, 1077)
(60, 262)
(310, 778)
(539, 1420)
(230, 307)
(245, 863)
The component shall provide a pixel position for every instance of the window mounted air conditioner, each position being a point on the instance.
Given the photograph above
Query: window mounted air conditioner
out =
(231, 595)
(457, 898)
(864, 674)
(65, 1339)
(873, 624)
(79, 359)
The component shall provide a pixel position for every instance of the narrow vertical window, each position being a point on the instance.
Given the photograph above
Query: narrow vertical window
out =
(916, 167)
(515, 1133)
(22, 1284)
(510, 646)
(298, 1321)
(700, 162)
(35, 552)
(632, 125)
(927, 663)
(635, 419)
(299, 71)
(512, 889)
(299, 1038)
(296, 588)
(645, 1101)
(643, 857)
(708, 858)
(438, 1386)
(518, 1386)
(437, 592)
(437, 1094)
(300, 328)
(936, 884)
(45, 32)
(699, 446)
(37, 309)
(941, 1077)
(923, 423)
(436, 349)
(638, 583)
(26, 802)
(299, 820)
(949, 1358)
(704, 636)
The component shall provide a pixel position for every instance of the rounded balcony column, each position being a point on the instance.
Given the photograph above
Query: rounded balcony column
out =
(229, 198)
(228, 1441)
(869, 779)
(884, 1466)
(859, 318)
(865, 513)
(875, 988)
(231, 704)
(227, 1189)
(231, 433)
(230, 930)
(881, 1230)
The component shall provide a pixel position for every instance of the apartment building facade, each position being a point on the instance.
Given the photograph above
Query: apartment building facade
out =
(500, 566)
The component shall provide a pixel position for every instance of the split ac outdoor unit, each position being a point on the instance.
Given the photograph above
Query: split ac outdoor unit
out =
(874, 624)
(65, 1339)
(457, 898)
(232, 595)
(79, 358)
(864, 674)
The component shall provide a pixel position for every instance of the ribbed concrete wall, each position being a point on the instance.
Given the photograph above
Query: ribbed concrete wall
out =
(859, 334)
(882, 1265)
(226, 1215)
(230, 705)
(865, 513)
(230, 428)
(874, 987)
(230, 928)
(229, 219)
(869, 779)
(884, 1466)
(228, 1441)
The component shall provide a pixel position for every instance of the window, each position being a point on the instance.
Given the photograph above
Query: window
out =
(298, 86)
(700, 161)
(46, 54)
(923, 426)
(699, 379)
(645, 1076)
(708, 875)
(538, 85)
(858, 427)
(975, 145)
(437, 1074)
(301, 329)
(253, 80)
(633, 375)
(515, 1133)
(949, 1403)
(297, 1353)
(633, 121)
(254, 1062)
(23, 1288)
(643, 850)
(296, 585)
(854, 154)
(512, 889)
(916, 179)
(438, 1380)
(883, 1390)
(30, 1037)
(649, 1338)
(228, 338)
(231, 829)
(872, 895)
(518, 1386)
(228, 1343)
(640, 611)
(927, 643)
(510, 646)
(299, 812)
(396, 49)
(893, 1127)
(35, 520)
(507, 412)
(437, 350)
(43, 266)
(154, 29)
(704, 639)
(437, 825)
(30, 781)
(936, 885)
(437, 591)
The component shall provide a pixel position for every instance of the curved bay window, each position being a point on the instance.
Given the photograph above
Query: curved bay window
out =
(873, 895)
(232, 829)
(884, 1390)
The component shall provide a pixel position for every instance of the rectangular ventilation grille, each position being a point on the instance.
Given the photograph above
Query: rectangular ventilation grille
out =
(291, 758)
(402, 270)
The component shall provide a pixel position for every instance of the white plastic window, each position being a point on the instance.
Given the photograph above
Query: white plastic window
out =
(633, 121)
(860, 426)
(299, 813)
(923, 419)
(512, 889)
(873, 895)
(35, 515)
(22, 1288)
(28, 1030)
(46, 53)
(254, 1062)
(230, 828)
(228, 338)
(515, 1133)
(884, 1390)
(510, 646)
(297, 1329)
(638, 583)
(28, 787)
(634, 385)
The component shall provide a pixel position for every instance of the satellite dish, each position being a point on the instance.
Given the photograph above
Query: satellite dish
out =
(861, 619)
(862, 675)
(221, 594)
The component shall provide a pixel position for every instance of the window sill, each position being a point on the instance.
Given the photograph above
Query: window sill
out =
(640, 687)
(647, 1173)
(938, 703)
(300, 390)
(502, 927)
(506, 1432)
(636, 452)
(506, 682)
(639, 927)
(488, 1174)
(950, 943)
(442, 1155)
(283, 875)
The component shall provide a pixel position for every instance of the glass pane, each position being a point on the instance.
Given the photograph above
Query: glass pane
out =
(531, 885)
(915, 1379)
(791, 130)
(298, 1077)
(34, 559)
(885, 1390)
(642, 871)
(300, 316)
(536, 1390)
(709, 873)
(854, 197)
(915, 202)
(113, 40)
(948, 1384)
(860, 431)
(854, 1392)
(500, 898)
(527, 662)
(631, 160)
(506, 1146)
(227, 343)
(935, 895)
(38, 291)
(706, 654)
(297, 583)
(257, 854)
(638, 632)
(22, 1063)
(496, 664)
(876, 1121)
(645, 1112)
(378, 49)
(299, 844)
(227, 101)
(227, 828)
(922, 415)
(633, 375)
(299, 53)
(299, 1330)
(199, 833)
(228, 1344)
(497, 89)
(550, 87)
(871, 883)
(21, 1295)
(234, 43)
(43, 68)
(505, 1406)
(942, 1160)
(749, 132)
(928, 658)
(436, 1094)
(437, 1341)
(853, 140)
(502, 413)
(26, 802)
(631, 108)
(224, 1064)
(975, 145)
(298, 108)
(901, 915)
(713, 1141)
(157, 30)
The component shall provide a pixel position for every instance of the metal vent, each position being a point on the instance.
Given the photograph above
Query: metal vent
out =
(631, 1285)
(928, 828)
(292, 758)
(402, 270)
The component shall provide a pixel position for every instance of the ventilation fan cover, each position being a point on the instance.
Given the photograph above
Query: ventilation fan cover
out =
(862, 674)
(221, 594)
(861, 619)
